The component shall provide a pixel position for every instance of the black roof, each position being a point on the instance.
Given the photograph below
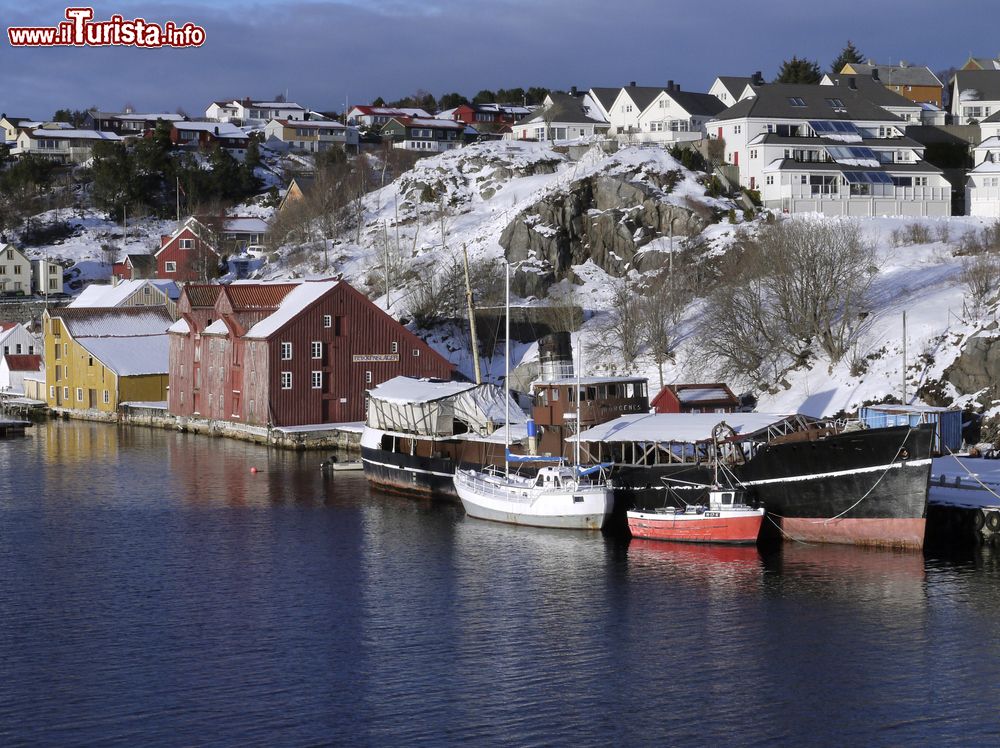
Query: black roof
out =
(606, 95)
(697, 103)
(986, 82)
(780, 100)
(565, 108)
(920, 167)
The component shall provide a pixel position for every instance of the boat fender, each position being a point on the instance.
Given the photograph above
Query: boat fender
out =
(978, 520)
(904, 454)
(993, 521)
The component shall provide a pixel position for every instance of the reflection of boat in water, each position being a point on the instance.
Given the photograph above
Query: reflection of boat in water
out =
(697, 554)
(884, 573)
(820, 481)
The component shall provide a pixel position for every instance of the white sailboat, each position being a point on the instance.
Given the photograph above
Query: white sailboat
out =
(559, 496)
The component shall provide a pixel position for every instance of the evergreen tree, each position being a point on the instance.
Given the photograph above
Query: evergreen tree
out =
(379, 101)
(537, 94)
(510, 95)
(798, 70)
(252, 159)
(484, 97)
(849, 54)
(451, 100)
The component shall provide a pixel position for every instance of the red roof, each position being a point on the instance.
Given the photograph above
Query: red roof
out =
(24, 361)
(202, 294)
(4, 326)
(248, 296)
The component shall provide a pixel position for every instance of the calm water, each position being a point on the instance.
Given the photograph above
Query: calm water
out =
(154, 592)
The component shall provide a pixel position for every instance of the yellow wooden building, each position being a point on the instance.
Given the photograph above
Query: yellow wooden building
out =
(98, 358)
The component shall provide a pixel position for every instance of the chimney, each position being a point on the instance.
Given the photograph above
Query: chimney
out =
(875, 74)
(757, 79)
(677, 87)
(572, 90)
(216, 129)
(631, 84)
(852, 83)
(904, 64)
(670, 85)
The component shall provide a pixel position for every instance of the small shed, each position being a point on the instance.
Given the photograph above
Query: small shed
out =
(948, 421)
(715, 397)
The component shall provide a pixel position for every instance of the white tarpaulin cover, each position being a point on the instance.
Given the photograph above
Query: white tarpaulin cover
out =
(675, 427)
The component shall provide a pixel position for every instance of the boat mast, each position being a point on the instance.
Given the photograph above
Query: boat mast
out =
(472, 316)
(506, 377)
(579, 428)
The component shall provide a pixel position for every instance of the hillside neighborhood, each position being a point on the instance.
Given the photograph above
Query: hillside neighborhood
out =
(265, 264)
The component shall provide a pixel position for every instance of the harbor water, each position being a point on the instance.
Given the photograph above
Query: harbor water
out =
(154, 591)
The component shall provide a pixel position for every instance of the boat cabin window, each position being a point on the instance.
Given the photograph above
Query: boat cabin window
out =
(548, 480)
(727, 497)
(590, 394)
(630, 390)
(555, 394)
(387, 442)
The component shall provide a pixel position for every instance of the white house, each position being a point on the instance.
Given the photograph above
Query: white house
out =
(15, 369)
(61, 144)
(310, 135)
(649, 114)
(15, 271)
(982, 188)
(828, 149)
(975, 96)
(376, 116)
(730, 88)
(221, 111)
(247, 112)
(46, 277)
(562, 117)
(16, 340)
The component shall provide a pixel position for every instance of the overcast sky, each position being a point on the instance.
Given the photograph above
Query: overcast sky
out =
(325, 52)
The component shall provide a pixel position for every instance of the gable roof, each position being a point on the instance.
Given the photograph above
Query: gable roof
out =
(872, 90)
(202, 295)
(642, 96)
(256, 296)
(389, 111)
(564, 108)
(605, 96)
(895, 75)
(735, 84)
(695, 103)
(294, 303)
(141, 262)
(774, 100)
(978, 85)
(216, 129)
(103, 295)
(128, 340)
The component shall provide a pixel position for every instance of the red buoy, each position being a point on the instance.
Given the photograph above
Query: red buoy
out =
(253, 470)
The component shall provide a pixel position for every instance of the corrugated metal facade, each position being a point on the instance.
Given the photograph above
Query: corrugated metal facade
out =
(948, 431)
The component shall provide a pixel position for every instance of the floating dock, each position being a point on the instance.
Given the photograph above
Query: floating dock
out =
(964, 497)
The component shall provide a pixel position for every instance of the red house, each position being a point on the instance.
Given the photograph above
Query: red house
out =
(696, 398)
(135, 267)
(188, 254)
(287, 354)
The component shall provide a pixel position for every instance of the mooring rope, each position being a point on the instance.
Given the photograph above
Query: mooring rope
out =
(973, 475)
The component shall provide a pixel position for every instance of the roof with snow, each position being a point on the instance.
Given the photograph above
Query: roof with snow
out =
(978, 85)
(386, 111)
(298, 299)
(128, 340)
(180, 326)
(411, 390)
(312, 124)
(165, 116)
(564, 109)
(73, 134)
(686, 428)
(218, 129)
(272, 104)
(248, 224)
(108, 295)
(441, 124)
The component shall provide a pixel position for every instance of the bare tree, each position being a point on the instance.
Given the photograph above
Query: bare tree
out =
(621, 332)
(660, 307)
(798, 285)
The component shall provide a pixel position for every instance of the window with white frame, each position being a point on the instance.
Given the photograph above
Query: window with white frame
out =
(395, 347)
(52, 391)
(286, 380)
(317, 349)
(170, 267)
(317, 380)
(107, 397)
(186, 243)
(416, 352)
(79, 394)
(368, 377)
(286, 351)
(327, 320)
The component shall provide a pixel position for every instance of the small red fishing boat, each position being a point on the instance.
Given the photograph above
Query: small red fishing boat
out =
(726, 519)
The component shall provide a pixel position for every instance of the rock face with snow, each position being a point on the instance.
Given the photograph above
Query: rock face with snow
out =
(608, 219)
(977, 368)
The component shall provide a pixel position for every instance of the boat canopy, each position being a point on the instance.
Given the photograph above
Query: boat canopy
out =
(429, 407)
(683, 428)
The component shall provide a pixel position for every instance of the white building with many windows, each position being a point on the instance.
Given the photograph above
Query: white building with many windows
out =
(982, 189)
(658, 114)
(15, 271)
(830, 150)
(975, 96)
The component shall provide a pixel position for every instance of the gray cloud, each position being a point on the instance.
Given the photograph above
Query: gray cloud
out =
(322, 52)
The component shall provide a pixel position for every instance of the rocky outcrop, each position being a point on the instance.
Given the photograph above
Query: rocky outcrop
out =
(607, 219)
(978, 367)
